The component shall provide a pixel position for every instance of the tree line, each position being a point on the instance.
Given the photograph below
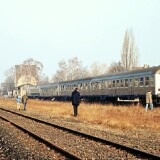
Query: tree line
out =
(73, 68)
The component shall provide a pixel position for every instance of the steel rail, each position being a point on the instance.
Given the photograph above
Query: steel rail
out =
(134, 151)
(44, 141)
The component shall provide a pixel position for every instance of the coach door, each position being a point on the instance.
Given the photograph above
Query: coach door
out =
(128, 86)
(131, 89)
(135, 85)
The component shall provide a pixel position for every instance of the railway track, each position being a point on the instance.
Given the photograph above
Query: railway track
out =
(71, 143)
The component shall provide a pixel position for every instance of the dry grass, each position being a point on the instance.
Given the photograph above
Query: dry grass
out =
(120, 117)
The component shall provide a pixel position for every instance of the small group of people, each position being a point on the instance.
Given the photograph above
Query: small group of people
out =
(23, 100)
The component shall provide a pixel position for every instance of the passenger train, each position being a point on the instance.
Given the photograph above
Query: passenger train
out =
(122, 86)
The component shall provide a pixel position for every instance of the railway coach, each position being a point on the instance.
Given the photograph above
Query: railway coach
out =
(122, 86)
(62, 90)
(127, 86)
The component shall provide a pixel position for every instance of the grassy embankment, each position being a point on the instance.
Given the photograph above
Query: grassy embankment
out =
(120, 117)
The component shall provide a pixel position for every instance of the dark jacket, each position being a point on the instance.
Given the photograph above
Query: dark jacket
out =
(24, 99)
(75, 97)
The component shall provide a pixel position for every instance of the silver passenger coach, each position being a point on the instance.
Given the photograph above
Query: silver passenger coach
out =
(129, 86)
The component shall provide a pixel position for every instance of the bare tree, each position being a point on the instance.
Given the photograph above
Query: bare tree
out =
(70, 70)
(36, 71)
(129, 54)
(98, 69)
(75, 69)
(29, 67)
(61, 74)
(9, 74)
(43, 80)
(9, 80)
(115, 67)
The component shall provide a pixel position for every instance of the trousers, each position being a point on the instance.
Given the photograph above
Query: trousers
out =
(150, 105)
(24, 105)
(75, 110)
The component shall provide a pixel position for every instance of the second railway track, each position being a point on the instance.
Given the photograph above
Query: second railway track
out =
(77, 144)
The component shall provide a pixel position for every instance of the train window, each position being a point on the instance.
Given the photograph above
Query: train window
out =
(103, 85)
(146, 81)
(82, 86)
(126, 82)
(122, 83)
(130, 82)
(85, 86)
(113, 83)
(109, 84)
(151, 79)
(97, 85)
(141, 81)
(106, 84)
(92, 86)
(100, 86)
(117, 83)
(136, 81)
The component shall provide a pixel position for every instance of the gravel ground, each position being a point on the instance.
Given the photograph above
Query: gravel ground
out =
(140, 139)
(84, 148)
(15, 148)
(16, 145)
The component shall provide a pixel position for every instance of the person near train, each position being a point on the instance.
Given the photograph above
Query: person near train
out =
(18, 102)
(75, 97)
(24, 101)
(149, 102)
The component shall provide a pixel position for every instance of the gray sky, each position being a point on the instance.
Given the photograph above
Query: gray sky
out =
(92, 30)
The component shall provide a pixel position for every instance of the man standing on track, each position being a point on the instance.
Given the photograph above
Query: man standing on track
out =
(75, 97)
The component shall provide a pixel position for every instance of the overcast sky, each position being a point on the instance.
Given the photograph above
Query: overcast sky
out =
(92, 30)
